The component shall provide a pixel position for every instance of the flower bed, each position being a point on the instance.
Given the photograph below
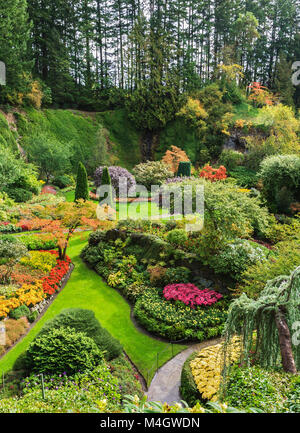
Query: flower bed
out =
(36, 291)
(190, 295)
(176, 321)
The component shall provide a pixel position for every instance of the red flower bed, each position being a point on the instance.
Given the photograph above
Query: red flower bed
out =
(51, 281)
(190, 295)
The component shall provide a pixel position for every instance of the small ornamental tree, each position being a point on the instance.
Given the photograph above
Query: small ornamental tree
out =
(82, 189)
(173, 157)
(272, 316)
(106, 181)
(67, 217)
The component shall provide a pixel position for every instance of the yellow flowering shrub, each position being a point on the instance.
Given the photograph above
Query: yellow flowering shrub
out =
(43, 261)
(208, 365)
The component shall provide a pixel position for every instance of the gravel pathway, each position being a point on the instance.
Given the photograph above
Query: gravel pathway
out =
(166, 382)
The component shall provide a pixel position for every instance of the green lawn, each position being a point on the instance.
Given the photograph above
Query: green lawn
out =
(86, 289)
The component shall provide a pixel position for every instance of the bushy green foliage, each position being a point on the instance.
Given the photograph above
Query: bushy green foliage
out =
(231, 158)
(36, 242)
(280, 175)
(17, 313)
(63, 350)
(17, 178)
(7, 136)
(48, 154)
(245, 177)
(63, 181)
(255, 387)
(95, 391)
(236, 257)
(179, 274)
(85, 321)
(254, 278)
(228, 213)
(82, 188)
(151, 173)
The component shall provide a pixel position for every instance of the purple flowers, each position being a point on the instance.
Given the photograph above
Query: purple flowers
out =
(190, 295)
(116, 173)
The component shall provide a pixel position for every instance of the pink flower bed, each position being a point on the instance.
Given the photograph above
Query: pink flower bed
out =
(190, 295)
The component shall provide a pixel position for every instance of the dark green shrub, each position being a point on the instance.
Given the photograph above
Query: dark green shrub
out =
(245, 177)
(63, 350)
(184, 169)
(188, 388)
(63, 181)
(85, 321)
(17, 313)
(22, 363)
(19, 195)
(280, 175)
(82, 189)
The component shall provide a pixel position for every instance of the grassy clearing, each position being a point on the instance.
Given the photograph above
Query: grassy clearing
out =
(86, 289)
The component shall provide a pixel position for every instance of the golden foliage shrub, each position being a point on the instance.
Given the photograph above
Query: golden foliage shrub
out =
(207, 367)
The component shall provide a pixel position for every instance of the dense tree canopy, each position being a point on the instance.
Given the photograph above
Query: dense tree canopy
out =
(91, 53)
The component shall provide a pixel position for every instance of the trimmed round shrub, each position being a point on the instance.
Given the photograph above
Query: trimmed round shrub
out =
(280, 175)
(85, 321)
(177, 236)
(151, 173)
(63, 350)
(115, 173)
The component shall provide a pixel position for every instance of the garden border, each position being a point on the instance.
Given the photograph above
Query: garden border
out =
(64, 281)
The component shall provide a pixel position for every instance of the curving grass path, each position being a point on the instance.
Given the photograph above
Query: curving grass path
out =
(85, 289)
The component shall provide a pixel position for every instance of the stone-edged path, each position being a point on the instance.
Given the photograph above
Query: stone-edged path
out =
(166, 382)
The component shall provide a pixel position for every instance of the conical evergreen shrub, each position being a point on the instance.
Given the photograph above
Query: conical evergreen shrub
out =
(82, 189)
(106, 180)
(184, 169)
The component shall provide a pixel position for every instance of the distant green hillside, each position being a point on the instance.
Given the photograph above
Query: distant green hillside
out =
(81, 131)
(124, 139)
(7, 135)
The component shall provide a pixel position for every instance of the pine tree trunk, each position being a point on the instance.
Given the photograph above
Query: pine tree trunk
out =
(288, 361)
